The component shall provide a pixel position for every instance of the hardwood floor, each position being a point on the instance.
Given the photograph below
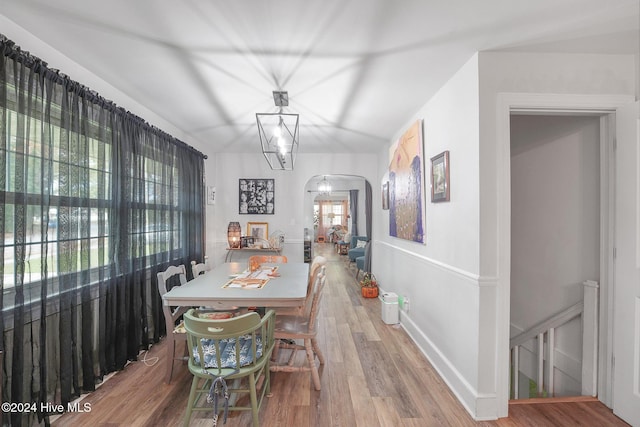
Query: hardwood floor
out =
(373, 376)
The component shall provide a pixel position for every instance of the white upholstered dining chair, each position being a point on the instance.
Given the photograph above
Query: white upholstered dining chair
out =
(172, 315)
(199, 268)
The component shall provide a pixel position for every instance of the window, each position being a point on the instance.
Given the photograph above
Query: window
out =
(330, 213)
(59, 187)
(60, 182)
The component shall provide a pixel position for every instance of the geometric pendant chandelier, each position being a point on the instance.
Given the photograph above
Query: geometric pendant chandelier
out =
(278, 134)
(324, 187)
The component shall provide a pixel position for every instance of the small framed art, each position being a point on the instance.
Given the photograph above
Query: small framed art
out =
(211, 195)
(258, 231)
(440, 177)
(385, 196)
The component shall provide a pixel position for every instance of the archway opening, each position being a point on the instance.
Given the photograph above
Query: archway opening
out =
(343, 209)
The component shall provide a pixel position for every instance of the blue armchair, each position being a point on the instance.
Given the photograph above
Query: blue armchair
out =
(359, 265)
(354, 251)
(360, 261)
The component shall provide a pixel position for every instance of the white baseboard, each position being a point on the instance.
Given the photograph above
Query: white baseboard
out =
(481, 407)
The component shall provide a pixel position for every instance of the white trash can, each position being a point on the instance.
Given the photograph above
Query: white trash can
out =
(390, 313)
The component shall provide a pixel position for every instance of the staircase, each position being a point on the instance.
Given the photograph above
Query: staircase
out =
(542, 336)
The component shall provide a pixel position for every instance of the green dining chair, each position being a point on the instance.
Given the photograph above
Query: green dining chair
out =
(227, 357)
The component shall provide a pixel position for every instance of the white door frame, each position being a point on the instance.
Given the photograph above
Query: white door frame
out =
(570, 104)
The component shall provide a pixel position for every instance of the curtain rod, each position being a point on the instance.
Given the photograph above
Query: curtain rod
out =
(11, 50)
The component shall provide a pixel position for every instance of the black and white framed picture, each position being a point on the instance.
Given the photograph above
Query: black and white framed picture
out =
(257, 196)
(211, 195)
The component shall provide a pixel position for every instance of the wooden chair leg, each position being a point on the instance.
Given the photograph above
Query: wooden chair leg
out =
(294, 351)
(267, 379)
(171, 350)
(192, 400)
(312, 364)
(254, 399)
(317, 351)
(276, 348)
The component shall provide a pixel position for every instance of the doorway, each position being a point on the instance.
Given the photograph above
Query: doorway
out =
(555, 245)
(616, 117)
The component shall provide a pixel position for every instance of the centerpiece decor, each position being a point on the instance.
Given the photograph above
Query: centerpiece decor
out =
(369, 286)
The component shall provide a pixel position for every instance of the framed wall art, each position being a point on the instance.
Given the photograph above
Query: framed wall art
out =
(256, 196)
(385, 196)
(406, 186)
(246, 242)
(211, 195)
(440, 177)
(258, 231)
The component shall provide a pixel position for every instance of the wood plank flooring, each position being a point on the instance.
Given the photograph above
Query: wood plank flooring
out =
(373, 376)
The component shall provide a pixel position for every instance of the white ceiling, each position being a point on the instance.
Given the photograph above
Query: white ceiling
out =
(355, 70)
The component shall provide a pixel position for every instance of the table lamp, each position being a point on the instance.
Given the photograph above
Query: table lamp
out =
(233, 235)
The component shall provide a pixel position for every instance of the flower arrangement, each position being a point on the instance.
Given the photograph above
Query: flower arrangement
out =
(369, 286)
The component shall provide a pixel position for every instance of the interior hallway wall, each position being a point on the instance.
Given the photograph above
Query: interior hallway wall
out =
(440, 277)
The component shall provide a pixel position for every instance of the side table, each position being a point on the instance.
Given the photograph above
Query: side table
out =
(343, 248)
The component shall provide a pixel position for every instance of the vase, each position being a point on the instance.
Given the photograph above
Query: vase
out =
(369, 291)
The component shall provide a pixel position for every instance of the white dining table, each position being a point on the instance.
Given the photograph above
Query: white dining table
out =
(289, 289)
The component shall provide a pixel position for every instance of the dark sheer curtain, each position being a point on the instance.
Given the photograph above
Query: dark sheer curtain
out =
(94, 202)
(353, 210)
(368, 195)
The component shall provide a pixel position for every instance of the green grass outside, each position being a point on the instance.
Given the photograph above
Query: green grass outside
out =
(34, 265)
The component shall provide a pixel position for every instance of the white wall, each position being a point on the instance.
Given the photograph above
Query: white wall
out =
(291, 217)
(555, 227)
(555, 213)
(440, 278)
